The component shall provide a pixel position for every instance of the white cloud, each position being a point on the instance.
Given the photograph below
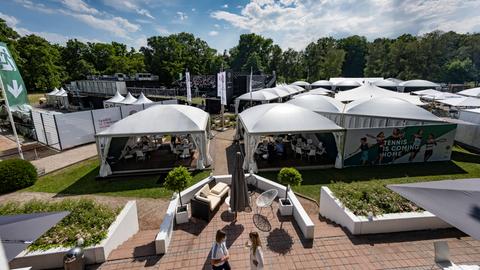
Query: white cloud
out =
(225, 6)
(216, 25)
(194, 9)
(118, 26)
(182, 15)
(162, 30)
(295, 23)
(35, 6)
(10, 20)
(213, 33)
(137, 6)
(79, 6)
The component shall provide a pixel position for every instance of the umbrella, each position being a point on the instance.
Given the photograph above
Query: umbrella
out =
(454, 201)
(238, 189)
(19, 231)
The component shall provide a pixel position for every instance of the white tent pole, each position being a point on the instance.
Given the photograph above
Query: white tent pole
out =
(19, 147)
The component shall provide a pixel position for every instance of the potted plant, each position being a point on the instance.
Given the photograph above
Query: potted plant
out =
(288, 177)
(176, 181)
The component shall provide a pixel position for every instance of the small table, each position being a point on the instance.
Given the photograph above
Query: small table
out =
(266, 199)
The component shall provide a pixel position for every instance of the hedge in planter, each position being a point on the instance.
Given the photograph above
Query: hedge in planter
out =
(87, 219)
(177, 180)
(16, 174)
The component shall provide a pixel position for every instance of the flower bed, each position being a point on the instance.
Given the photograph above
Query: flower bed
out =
(87, 219)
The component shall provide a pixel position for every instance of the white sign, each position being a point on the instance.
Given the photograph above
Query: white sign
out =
(189, 87)
(222, 87)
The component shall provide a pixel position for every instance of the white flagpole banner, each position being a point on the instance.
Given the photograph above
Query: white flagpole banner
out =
(250, 84)
(189, 87)
(219, 84)
(224, 89)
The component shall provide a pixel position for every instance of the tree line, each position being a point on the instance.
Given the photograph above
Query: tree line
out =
(437, 56)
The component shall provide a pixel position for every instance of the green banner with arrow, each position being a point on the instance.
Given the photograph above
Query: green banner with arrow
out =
(12, 79)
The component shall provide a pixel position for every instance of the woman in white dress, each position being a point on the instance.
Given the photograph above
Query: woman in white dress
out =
(256, 253)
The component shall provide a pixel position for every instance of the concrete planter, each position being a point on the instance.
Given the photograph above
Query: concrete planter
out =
(124, 227)
(285, 207)
(332, 208)
(181, 215)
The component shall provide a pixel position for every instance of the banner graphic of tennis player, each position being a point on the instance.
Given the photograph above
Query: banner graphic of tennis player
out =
(379, 146)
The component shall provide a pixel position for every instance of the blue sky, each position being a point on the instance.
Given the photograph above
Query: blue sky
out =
(290, 23)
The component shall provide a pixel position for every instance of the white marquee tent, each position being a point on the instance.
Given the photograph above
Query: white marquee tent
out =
(323, 84)
(296, 87)
(159, 120)
(415, 84)
(142, 99)
(277, 91)
(463, 102)
(117, 98)
(441, 96)
(346, 84)
(288, 88)
(316, 91)
(256, 96)
(429, 92)
(470, 115)
(301, 84)
(472, 92)
(326, 106)
(385, 112)
(454, 201)
(371, 91)
(61, 98)
(129, 99)
(51, 96)
(387, 84)
(282, 118)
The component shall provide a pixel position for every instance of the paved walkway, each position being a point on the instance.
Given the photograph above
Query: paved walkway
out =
(223, 151)
(65, 158)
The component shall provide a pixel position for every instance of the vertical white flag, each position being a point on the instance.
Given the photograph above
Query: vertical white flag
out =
(223, 93)
(189, 88)
(219, 84)
(250, 82)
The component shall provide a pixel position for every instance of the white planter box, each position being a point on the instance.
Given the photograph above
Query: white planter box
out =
(332, 208)
(181, 217)
(124, 227)
(285, 210)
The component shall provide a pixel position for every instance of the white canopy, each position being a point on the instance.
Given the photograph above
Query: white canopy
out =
(385, 83)
(142, 99)
(322, 83)
(53, 93)
(461, 102)
(282, 118)
(371, 91)
(129, 99)
(117, 98)
(472, 92)
(296, 87)
(390, 108)
(430, 92)
(301, 83)
(347, 83)
(159, 120)
(419, 84)
(258, 96)
(61, 93)
(454, 201)
(277, 91)
(441, 96)
(318, 103)
(316, 91)
(291, 90)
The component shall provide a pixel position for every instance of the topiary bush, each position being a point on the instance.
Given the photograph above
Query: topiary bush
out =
(16, 174)
(177, 180)
(289, 176)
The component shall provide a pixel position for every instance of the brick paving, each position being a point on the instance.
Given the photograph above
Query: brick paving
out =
(332, 248)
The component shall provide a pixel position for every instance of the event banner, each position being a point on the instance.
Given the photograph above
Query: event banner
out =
(12, 80)
(379, 146)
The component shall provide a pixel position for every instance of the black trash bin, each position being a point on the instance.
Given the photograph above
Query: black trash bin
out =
(74, 259)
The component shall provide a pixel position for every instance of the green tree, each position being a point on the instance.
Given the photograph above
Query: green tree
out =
(75, 57)
(460, 71)
(248, 45)
(177, 180)
(355, 48)
(377, 58)
(40, 66)
(291, 66)
(10, 37)
(332, 63)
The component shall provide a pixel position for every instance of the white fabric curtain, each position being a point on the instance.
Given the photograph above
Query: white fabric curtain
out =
(104, 146)
(237, 105)
(202, 144)
(339, 141)
(251, 142)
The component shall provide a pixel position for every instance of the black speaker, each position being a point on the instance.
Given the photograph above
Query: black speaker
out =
(212, 105)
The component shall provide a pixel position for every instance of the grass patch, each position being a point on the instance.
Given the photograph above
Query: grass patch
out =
(79, 179)
(33, 98)
(362, 189)
(87, 219)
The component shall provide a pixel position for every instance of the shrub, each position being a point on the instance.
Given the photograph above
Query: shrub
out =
(177, 180)
(87, 219)
(16, 174)
(289, 176)
(372, 196)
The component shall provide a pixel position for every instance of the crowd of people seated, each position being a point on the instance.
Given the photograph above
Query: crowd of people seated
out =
(276, 147)
(182, 146)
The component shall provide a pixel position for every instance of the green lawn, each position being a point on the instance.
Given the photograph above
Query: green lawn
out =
(463, 165)
(34, 97)
(80, 179)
